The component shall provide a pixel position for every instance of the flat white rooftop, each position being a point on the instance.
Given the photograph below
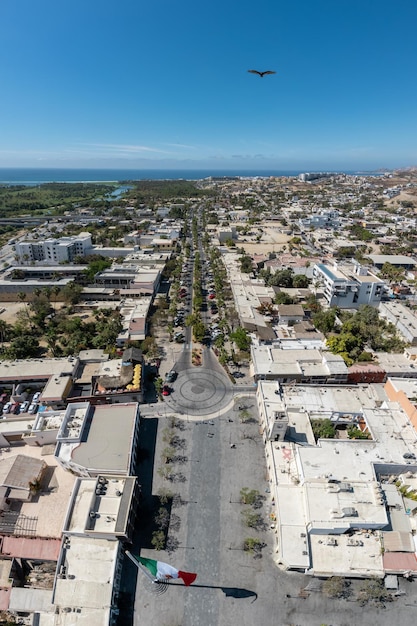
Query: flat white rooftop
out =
(273, 361)
(88, 585)
(327, 489)
(359, 555)
(107, 446)
(111, 509)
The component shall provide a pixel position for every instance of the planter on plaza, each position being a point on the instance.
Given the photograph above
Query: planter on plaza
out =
(197, 357)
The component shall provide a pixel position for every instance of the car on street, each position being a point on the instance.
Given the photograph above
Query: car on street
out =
(171, 376)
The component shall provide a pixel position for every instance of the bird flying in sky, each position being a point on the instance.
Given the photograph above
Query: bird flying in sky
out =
(261, 74)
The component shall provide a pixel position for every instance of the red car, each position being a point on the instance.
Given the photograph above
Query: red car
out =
(212, 296)
(166, 390)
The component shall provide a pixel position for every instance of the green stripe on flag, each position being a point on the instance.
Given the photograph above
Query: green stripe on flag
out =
(150, 564)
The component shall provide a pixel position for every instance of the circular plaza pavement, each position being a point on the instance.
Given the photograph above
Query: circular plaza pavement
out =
(199, 393)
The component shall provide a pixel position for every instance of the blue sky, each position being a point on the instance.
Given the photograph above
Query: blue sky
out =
(164, 84)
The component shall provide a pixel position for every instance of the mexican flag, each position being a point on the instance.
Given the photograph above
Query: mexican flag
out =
(162, 571)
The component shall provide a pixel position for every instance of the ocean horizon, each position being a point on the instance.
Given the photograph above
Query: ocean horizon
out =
(37, 176)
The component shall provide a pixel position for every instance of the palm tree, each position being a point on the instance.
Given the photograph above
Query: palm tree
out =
(4, 330)
(55, 291)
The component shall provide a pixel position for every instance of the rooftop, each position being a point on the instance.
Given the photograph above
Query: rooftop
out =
(87, 585)
(49, 508)
(107, 440)
(100, 506)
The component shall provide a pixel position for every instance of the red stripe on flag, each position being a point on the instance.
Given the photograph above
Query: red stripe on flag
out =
(187, 577)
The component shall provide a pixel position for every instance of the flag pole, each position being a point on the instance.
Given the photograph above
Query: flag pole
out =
(141, 567)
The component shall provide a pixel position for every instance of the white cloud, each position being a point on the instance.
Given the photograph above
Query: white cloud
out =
(124, 148)
(181, 145)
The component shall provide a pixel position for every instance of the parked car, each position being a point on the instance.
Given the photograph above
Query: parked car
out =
(24, 406)
(15, 408)
(7, 407)
(166, 390)
(171, 376)
(36, 396)
(33, 408)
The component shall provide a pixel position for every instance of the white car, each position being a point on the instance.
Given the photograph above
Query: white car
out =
(7, 407)
(33, 408)
(24, 406)
(36, 396)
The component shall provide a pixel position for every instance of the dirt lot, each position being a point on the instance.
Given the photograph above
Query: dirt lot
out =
(9, 311)
(272, 241)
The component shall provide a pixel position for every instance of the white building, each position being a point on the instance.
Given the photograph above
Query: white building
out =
(323, 219)
(54, 251)
(99, 439)
(340, 505)
(299, 363)
(349, 286)
(404, 320)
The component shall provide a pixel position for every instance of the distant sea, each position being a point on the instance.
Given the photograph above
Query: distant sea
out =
(31, 176)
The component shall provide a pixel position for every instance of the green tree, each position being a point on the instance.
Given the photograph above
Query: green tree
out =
(392, 272)
(158, 540)
(96, 264)
(323, 429)
(373, 590)
(199, 330)
(5, 331)
(283, 298)
(71, 293)
(345, 343)
(241, 338)
(252, 519)
(300, 281)
(249, 496)
(159, 383)
(324, 321)
(281, 278)
(253, 546)
(359, 232)
(23, 347)
(162, 518)
(246, 264)
(336, 587)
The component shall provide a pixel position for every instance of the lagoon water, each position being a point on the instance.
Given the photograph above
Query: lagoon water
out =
(38, 176)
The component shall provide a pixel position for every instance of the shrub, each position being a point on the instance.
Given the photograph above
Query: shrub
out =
(253, 546)
(248, 496)
(158, 540)
(336, 587)
(373, 590)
